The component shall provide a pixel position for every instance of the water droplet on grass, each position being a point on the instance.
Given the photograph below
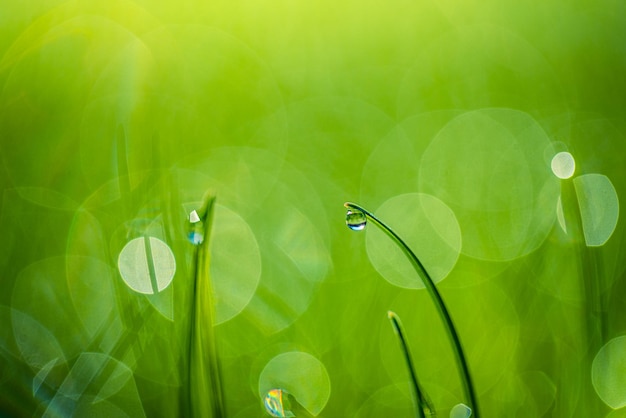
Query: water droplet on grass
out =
(277, 404)
(195, 237)
(196, 228)
(460, 411)
(563, 165)
(193, 217)
(356, 220)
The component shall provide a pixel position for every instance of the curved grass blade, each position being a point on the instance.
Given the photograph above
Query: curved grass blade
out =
(462, 365)
(424, 407)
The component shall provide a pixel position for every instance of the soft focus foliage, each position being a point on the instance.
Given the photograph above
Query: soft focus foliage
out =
(117, 116)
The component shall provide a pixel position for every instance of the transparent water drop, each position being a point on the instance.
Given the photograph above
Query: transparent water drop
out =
(460, 411)
(195, 237)
(356, 220)
(277, 403)
(194, 217)
(196, 226)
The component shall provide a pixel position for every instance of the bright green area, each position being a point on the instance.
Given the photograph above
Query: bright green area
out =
(441, 117)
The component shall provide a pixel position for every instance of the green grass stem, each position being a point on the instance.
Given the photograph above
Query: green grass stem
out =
(206, 397)
(457, 348)
(423, 406)
(594, 317)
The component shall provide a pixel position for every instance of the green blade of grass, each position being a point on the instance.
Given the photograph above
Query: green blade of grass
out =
(424, 408)
(466, 380)
(206, 398)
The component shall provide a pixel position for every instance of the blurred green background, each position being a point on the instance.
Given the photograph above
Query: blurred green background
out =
(442, 117)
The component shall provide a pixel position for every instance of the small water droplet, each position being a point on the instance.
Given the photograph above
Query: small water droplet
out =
(196, 228)
(356, 220)
(194, 217)
(195, 238)
(277, 404)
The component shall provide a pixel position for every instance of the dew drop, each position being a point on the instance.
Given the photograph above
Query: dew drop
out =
(277, 404)
(195, 237)
(194, 217)
(196, 226)
(356, 220)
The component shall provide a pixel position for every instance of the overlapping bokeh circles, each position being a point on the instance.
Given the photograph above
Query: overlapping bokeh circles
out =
(84, 309)
(431, 348)
(269, 195)
(403, 145)
(348, 128)
(235, 263)
(487, 166)
(300, 374)
(426, 224)
(599, 207)
(118, 117)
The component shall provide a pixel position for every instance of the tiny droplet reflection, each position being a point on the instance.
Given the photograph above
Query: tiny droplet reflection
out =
(356, 220)
(196, 226)
(277, 404)
(194, 217)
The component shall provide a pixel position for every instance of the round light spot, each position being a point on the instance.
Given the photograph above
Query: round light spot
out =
(43, 314)
(487, 166)
(429, 228)
(608, 373)
(460, 411)
(301, 375)
(563, 165)
(599, 207)
(147, 265)
(235, 263)
(37, 345)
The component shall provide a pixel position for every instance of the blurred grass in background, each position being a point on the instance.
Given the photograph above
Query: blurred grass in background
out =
(440, 116)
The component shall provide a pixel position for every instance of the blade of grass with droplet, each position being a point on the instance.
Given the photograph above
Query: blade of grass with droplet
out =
(206, 395)
(435, 296)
